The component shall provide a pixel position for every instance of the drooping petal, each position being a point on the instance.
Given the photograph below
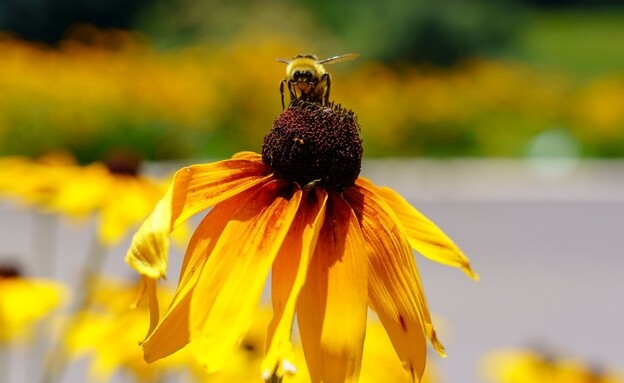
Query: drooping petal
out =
(194, 188)
(395, 291)
(289, 274)
(148, 251)
(424, 235)
(231, 282)
(332, 305)
(198, 187)
(172, 333)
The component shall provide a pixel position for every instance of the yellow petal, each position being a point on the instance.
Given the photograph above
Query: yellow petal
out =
(194, 188)
(18, 310)
(424, 236)
(172, 333)
(333, 302)
(252, 156)
(288, 275)
(232, 280)
(394, 290)
(198, 187)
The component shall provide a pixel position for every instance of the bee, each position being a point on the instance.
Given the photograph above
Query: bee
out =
(307, 79)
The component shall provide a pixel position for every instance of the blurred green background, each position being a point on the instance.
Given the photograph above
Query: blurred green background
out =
(198, 79)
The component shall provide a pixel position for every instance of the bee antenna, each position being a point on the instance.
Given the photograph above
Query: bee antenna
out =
(283, 61)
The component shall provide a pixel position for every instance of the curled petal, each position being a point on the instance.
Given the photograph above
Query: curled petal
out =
(194, 189)
(333, 303)
(424, 235)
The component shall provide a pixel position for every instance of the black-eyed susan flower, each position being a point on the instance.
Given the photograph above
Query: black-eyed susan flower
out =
(533, 366)
(335, 244)
(24, 302)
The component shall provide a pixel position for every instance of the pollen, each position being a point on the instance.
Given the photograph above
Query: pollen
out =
(315, 145)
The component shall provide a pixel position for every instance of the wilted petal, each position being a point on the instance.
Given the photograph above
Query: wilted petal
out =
(333, 302)
(289, 274)
(424, 235)
(148, 251)
(231, 282)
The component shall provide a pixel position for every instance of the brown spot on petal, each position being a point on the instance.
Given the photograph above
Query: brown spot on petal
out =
(402, 322)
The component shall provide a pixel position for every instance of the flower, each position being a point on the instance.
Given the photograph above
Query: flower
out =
(108, 330)
(24, 302)
(335, 242)
(532, 366)
(113, 189)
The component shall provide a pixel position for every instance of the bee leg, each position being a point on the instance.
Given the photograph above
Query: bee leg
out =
(325, 95)
(291, 89)
(282, 93)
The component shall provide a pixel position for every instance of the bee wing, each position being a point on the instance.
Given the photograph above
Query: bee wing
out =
(283, 61)
(335, 59)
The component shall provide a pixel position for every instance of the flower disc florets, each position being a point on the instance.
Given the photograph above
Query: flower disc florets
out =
(9, 271)
(312, 144)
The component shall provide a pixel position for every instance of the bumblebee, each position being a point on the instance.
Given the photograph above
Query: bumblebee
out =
(307, 79)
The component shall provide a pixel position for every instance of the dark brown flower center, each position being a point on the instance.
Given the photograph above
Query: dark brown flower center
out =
(9, 271)
(122, 162)
(315, 145)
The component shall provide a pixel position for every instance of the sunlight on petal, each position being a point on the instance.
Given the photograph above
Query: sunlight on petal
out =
(229, 288)
(333, 302)
(175, 320)
(289, 274)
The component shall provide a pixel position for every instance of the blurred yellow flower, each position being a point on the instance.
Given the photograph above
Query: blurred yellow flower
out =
(379, 362)
(335, 243)
(114, 191)
(531, 366)
(24, 302)
(120, 196)
(109, 331)
(39, 179)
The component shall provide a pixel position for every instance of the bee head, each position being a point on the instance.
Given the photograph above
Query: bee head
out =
(303, 75)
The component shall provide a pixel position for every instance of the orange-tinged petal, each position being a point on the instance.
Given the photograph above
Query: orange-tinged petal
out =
(424, 235)
(231, 282)
(288, 276)
(394, 290)
(198, 187)
(172, 333)
(333, 302)
(194, 188)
